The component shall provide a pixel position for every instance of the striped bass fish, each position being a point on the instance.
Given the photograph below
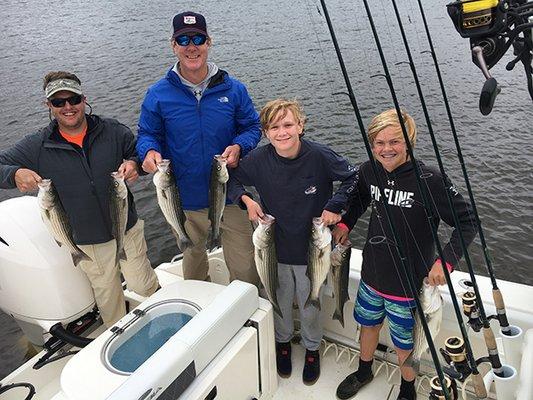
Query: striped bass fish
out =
(56, 220)
(118, 206)
(340, 271)
(319, 260)
(169, 200)
(266, 259)
(217, 199)
(431, 302)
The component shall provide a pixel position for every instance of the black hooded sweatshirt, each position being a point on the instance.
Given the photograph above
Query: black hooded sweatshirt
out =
(381, 264)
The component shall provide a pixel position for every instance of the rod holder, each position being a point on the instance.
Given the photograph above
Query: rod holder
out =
(512, 346)
(506, 385)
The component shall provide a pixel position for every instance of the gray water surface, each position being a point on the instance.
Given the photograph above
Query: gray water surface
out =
(282, 48)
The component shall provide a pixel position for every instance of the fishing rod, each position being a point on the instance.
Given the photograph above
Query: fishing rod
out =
(492, 27)
(445, 388)
(496, 293)
(476, 377)
(488, 334)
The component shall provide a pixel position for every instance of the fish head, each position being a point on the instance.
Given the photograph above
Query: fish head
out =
(47, 195)
(118, 185)
(162, 177)
(341, 253)
(320, 233)
(220, 168)
(164, 166)
(264, 233)
(430, 298)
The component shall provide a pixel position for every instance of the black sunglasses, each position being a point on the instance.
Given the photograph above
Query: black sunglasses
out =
(185, 40)
(72, 100)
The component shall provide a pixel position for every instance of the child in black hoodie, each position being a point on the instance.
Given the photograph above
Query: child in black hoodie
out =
(383, 290)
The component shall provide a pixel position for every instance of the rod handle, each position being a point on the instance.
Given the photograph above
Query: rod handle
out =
(490, 340)
(498, 299)
(479, 385)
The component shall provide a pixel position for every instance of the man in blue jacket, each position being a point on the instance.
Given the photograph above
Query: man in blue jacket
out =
(195, 112)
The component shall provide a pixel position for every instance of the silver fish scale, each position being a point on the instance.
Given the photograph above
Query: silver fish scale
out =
(119, 217)
(170, 204)
(58, 225)
(340, 271)
(431, 302)
(317, 271)
(217, 201)
(216, 205)
(266, 261)
(267, 269)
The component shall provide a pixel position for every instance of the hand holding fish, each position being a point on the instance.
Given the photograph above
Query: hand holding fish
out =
(128, 169)
(26, 180)
(232, 154)
(151, 160)
(255, 211)
(329, 218)
(436, 274)
(340, 233)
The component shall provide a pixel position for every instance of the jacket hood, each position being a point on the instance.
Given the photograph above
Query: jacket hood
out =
(220, 78)
(404, 169)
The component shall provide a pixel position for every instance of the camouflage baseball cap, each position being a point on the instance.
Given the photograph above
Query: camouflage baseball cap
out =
(62, 84)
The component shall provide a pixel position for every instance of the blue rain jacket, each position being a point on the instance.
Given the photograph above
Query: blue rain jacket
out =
(190, 132)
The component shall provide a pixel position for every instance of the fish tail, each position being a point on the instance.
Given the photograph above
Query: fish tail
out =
(185, 243)
(412, 362)
(339, 317)
(213, 240)
(312, 302)
(277, 310)
(81, 256)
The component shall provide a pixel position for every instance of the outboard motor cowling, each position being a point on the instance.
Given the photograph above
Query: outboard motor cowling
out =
(39, 284)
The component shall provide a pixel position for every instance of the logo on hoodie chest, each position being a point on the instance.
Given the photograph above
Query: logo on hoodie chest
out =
(310, 190)
(399, 198)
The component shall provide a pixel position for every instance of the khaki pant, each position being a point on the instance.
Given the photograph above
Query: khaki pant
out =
(236, 238)
(104, 272)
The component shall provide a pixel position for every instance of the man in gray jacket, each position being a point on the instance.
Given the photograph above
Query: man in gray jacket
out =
(78, 152)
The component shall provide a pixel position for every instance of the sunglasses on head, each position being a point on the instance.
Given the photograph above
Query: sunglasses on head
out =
(72, 100)
(185, 40)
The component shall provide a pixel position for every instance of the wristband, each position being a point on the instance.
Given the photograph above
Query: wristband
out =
(343, 226)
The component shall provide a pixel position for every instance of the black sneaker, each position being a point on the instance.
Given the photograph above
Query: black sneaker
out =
(406, 397)
(283, 359)
(351, 385)
(312, 367)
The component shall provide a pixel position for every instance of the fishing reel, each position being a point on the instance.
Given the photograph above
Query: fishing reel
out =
(454, 354)
(471, 311)
(492, 27)
(478, 18)
(437, 393)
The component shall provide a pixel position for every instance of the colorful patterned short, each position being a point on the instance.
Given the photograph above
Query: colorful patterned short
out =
(371, 308)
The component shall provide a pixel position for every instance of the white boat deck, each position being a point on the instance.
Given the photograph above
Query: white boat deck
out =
(337, 361)
(385, 385)
(331, 374)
